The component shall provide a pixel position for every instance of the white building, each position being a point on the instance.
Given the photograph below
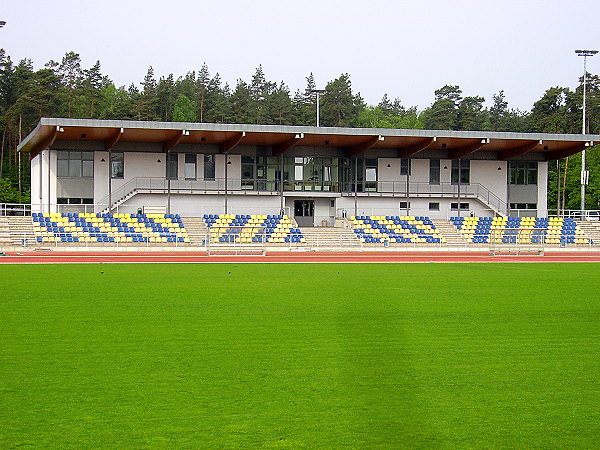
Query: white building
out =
(314, 174)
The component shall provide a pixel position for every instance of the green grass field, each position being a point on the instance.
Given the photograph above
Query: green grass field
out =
(300, 355)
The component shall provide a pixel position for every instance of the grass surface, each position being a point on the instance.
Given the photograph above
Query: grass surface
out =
(293, 355)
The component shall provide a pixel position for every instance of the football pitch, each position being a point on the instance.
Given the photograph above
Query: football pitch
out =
(300, 355)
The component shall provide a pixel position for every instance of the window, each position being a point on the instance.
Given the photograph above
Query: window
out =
(116, 165)
(465, 171)
(75, 165)
(404, 205)
(247, 172)
(523, 206)
(463, 206)
(434, 171)
(172, 159)
(190, 166)
(370, 174)
(74, 201)
(209, 167)
(523, 172)
(434, 206)
(405, 166)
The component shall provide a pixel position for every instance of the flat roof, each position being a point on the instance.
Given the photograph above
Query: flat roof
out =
(282, 138)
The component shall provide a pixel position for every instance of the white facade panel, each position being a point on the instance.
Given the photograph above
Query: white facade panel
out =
(419, 171)
(36, 184)
(542, 200)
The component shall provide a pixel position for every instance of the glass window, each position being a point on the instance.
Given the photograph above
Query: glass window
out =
(434, 206)
(116, 165)
(87, 169)
(172, 159)
(75, 164)
(465, 171)
(74, 201)
(371, 174)
(190, 166)
(247, 172)
(434, 171)
(209, 167)
(75, 168)
(463, 206)
(523, 172)
(62, 169)
(405, 166)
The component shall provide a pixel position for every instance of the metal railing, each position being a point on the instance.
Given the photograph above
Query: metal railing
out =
(199, 210)
(264, 187)
(578, 214)
(15, 209)
(421, 189)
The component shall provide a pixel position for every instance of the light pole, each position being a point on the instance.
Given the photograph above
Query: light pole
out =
(585, 54)
(318, 92)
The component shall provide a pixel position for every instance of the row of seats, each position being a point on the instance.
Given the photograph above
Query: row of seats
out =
(519, 230)
(255, 228)
(90, 227)
(396, 229)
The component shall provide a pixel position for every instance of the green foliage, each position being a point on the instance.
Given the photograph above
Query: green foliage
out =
(159, 355)
(8, 192)
(185, 109)
(339, 105)
(378, 117)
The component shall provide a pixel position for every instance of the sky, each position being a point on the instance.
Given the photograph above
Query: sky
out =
(405, 49)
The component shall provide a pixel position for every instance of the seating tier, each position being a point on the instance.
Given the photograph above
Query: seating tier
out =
(396, 229)
(519, 230)
(252, 228)
(91, 227)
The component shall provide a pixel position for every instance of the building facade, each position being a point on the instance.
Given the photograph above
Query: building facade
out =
(313, 174)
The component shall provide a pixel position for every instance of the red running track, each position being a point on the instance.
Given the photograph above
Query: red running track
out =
(147, 257)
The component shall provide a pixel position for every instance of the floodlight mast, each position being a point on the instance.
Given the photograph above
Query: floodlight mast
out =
(584, 130)
(318, 92)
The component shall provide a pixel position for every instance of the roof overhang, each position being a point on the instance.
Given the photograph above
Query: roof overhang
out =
(281, 138)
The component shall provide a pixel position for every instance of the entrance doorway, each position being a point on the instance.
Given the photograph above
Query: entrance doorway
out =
(304, 212)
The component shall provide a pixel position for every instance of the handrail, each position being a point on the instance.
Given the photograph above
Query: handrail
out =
(395, 188)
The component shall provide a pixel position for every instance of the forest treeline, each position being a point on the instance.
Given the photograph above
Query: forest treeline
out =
(67, 89)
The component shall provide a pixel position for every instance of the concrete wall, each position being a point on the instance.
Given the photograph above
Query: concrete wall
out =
(542, 193)
(368, 206)
(43, 182)
(487, 174)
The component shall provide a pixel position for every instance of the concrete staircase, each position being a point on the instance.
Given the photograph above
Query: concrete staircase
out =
(591, 230)
(449, 231)
(330, 238)
(14, 229)
(196, 229)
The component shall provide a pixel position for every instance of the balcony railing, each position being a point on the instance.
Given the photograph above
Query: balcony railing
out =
(270, 187)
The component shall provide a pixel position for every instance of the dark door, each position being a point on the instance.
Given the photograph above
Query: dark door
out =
(304, 212)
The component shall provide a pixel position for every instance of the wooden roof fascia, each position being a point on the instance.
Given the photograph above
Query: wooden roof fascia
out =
(405, 152)
(287, 145)
(362, 147)
(518, 151)
(46, 143)
(459, 152)
(172, 143)
(113, 140)
(558, 154)
(228, 145)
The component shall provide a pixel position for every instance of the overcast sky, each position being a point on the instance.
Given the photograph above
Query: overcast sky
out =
(406, 49)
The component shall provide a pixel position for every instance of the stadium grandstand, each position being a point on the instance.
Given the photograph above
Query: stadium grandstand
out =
(101, 184)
